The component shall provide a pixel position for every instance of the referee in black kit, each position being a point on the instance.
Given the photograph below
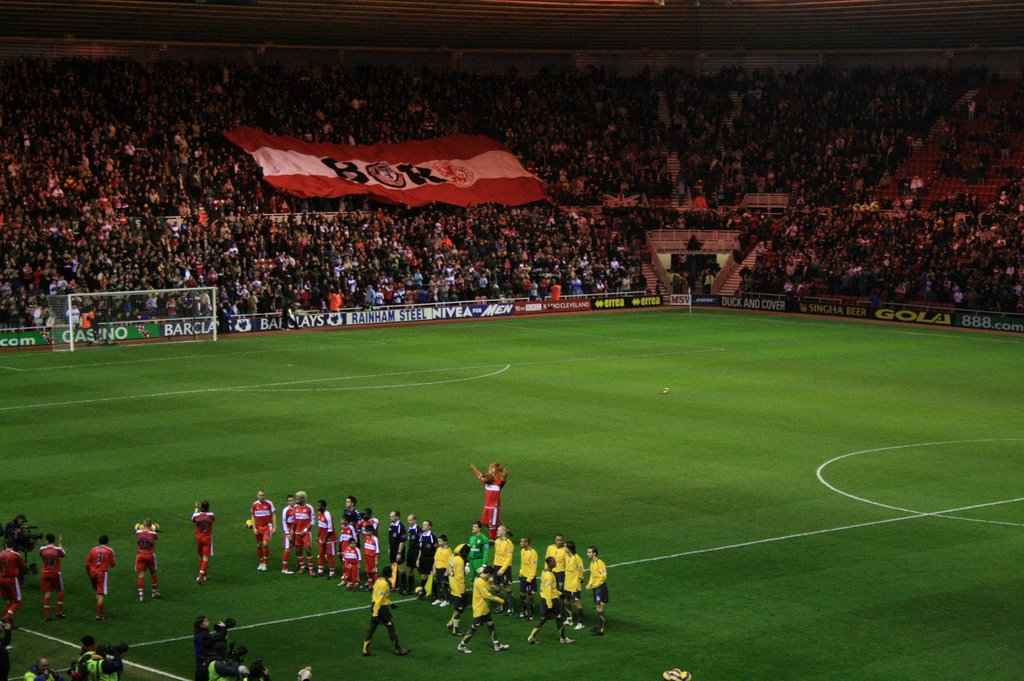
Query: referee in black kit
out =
(396, 546)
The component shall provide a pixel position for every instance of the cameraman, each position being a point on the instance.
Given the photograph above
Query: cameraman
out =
(15, 530)
(105, 664)
(204, 641)
(41, 671)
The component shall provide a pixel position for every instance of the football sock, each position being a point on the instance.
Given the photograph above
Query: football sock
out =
(284, 559)
(579, 615)
(99, 610)
(401, 581)
(600, 622)
(60, 602)
(202, 567)
(141, 583)
(533, 632)
(46, 606)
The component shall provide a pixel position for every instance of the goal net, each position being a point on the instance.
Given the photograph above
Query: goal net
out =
(126, 317)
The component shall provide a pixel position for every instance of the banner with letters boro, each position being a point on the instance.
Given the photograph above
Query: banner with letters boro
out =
(626, 302)
(462, 170)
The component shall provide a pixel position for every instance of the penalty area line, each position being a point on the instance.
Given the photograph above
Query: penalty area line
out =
(799, 535)
(270, 622)
(126, 662)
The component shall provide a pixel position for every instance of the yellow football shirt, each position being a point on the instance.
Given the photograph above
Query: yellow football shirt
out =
(482, 594)
(381, 590)
(503, 555)
(457, 575)
(558, 554)
(573, 572)
(598, 573)
(528, 564)
(549, 587)
(441, 558)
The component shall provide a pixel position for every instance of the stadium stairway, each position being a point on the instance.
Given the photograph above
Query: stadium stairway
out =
(730, 284)
(671, 156)
(727, 122)
(651, 277)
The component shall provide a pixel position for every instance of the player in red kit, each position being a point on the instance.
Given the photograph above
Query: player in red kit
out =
(262, 516)
(350, 557)
(303, 517)
(327, 541)
(203, 520)
(97, 563)
(287, 516)
(11, 566)
(52, 579)
(371, 549)
(145, 559)
(493, 480)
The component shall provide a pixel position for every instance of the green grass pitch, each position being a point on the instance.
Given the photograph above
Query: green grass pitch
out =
(733, 552)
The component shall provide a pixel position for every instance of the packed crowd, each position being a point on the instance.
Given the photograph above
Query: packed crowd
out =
(823, 136)
(328, 262)
(973, 260)
(93, 152)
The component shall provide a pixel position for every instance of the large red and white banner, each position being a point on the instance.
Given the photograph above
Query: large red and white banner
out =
(463, 170)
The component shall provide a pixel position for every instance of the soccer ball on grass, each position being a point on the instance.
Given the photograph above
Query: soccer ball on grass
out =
(676, 675)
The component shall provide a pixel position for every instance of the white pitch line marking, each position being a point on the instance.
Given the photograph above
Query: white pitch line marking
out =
(941, 514)
(127, 663)
(237, 388)
(270, 622)
(817, 532)
(12, 368)
(379, 387)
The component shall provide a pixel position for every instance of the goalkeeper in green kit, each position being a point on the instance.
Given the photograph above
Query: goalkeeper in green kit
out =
(477, 543)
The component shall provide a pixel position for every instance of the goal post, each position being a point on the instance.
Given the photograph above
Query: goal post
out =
(133, 317)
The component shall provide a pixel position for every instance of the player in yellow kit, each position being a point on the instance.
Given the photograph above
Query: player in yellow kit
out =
(557, 551)
(440, 571)
(503, 549)
(381, 613)
(573, 585)
(457, 587)
(482, 610)
(527, 578)
(550, 604)
(598, 577)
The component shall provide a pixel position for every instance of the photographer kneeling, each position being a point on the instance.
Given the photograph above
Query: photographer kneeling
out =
(41, 671)
(228, 665)
(106, 664)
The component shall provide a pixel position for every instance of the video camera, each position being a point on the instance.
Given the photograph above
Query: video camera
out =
(25, 540)
(236, 653)
(114, 651)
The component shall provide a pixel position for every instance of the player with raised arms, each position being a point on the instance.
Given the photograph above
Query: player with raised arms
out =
(493, 480)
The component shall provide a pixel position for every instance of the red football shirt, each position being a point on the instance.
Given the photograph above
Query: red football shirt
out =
(146, 541)
(100, 559)
(11, 563)
(303, 516)
(51, 556)
(262, 513)
(492, 493)
(203, 521)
